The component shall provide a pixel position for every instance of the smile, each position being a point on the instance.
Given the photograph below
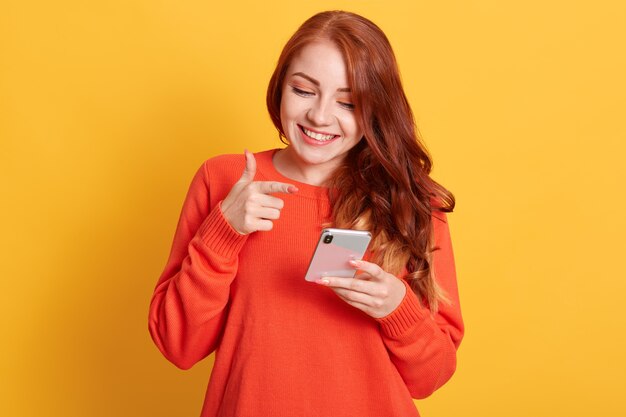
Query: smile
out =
(321, 137)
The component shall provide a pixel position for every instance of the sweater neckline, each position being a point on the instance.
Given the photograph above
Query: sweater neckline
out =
(265, 164)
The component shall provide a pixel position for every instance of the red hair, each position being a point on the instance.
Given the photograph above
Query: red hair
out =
(383, 185)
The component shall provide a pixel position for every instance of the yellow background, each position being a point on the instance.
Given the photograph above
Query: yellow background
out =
(107, 109)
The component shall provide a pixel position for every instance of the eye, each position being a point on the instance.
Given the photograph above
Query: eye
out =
(300, 92)
(347, 106)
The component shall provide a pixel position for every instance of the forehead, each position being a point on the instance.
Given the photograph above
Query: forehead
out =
(323, 61)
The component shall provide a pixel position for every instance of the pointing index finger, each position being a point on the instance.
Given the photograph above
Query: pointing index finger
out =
(269, 187)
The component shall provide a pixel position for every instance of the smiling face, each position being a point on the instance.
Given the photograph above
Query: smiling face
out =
(316, 112)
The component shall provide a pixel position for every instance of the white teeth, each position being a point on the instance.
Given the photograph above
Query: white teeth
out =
(317, 136)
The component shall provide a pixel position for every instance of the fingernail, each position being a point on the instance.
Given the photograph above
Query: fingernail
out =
(322, 282)
(292, 189)
(354, 262)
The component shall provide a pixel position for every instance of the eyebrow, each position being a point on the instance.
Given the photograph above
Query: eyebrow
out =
(317, 83)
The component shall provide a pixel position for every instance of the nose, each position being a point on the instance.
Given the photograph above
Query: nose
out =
(320, 113)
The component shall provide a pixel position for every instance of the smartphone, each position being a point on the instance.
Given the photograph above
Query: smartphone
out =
(334, 250)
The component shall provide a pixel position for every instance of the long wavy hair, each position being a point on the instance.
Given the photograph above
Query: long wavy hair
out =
(383, 185)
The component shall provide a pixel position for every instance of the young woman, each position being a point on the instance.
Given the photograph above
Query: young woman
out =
(234, 282)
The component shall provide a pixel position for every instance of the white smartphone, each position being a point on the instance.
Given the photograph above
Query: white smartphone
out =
(334, 250)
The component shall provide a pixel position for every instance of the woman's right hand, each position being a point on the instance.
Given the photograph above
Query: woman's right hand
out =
(249, 207)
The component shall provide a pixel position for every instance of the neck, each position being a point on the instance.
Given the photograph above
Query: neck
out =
(286, 162)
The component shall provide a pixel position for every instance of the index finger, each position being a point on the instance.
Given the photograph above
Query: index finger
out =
(351, 284)
(268, 187)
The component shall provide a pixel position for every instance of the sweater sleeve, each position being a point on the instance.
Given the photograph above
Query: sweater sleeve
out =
(423, 346)
(188, 307)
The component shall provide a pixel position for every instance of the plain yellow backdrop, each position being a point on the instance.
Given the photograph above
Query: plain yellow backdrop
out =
(107, 109)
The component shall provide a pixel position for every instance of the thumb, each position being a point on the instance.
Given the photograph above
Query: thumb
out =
(250, 170)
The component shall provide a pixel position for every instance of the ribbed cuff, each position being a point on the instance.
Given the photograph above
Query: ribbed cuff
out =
(219, 236)
(404, 316)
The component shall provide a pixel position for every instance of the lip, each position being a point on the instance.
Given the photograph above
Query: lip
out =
(314, 142)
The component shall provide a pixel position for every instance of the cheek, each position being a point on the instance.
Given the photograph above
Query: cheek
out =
(287, 108)
(351, 127)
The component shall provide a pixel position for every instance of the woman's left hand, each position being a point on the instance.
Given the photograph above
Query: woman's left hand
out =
(373, 290)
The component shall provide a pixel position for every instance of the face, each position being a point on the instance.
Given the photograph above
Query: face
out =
(316, 109)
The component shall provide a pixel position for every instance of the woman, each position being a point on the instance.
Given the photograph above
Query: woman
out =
(234, 282)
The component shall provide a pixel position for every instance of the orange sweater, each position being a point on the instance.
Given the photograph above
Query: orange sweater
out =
(285, 346)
